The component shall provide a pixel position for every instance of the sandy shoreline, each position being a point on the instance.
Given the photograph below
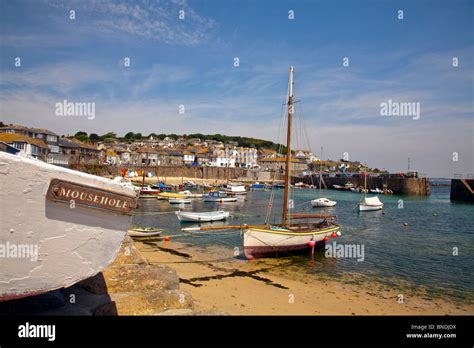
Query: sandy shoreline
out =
(239, 287)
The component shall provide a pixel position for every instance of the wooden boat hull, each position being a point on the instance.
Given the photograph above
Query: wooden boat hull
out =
(73, 240)
(172, 195)
(138, 233)
(220, 200)
(366, 207)
(202, 217)
(149, 191)
(322, 203)
(179, 201)
(260, 243)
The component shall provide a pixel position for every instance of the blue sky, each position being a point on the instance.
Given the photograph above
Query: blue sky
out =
(190, 62)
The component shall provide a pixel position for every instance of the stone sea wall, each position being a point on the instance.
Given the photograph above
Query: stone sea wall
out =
(402, 186)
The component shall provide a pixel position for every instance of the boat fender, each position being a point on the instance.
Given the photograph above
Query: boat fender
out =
(325, 239)
(311, 243)
(338, 233)
(334, 235)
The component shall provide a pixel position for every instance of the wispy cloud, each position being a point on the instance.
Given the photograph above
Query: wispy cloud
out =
(154, 20)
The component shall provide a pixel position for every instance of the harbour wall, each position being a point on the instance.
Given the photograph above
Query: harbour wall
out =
(165, 171)
(399, 185)
(462, 190)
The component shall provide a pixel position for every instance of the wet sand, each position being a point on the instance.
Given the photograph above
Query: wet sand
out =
(220, 283)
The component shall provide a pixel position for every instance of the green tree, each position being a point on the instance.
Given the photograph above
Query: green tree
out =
(82, 136)
(109, 135)
(94, 137)
(130, 135)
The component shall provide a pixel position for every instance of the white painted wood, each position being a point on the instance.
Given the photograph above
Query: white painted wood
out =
(72, 243)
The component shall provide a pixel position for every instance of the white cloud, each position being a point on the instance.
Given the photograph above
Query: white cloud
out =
(153, 20)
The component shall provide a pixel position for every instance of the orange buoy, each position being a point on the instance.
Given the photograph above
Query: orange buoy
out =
(325, 239)
(166, 238)
(333, 235)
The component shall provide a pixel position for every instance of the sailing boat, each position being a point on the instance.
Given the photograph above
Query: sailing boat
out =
(273, 239)
(322, 202)
(369, 203)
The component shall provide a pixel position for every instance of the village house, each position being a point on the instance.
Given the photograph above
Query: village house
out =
(188, 157)
(247, 158)
(4, 147)
(51, 139)
(202, 158)
(146, 156)
(278, 164)
(267, 153)
(27, 146)
(70, 150)
(87, 153)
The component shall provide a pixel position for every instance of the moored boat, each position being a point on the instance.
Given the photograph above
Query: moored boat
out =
(147, 191)
(235, 190)
(218, 196)
(68, 225)
(179, 201)
(187, 216)
(323, 202)
(167, 195)
(162, 187)
(144, 232)
(275, 239)
(370, 204)
(257, 186)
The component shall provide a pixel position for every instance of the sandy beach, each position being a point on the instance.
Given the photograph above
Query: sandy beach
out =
(218, 283)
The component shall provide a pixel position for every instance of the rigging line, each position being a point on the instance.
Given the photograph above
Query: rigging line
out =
(306, 137)
(272, 193)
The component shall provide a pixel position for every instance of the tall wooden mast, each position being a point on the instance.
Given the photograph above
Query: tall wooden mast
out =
(288, 150)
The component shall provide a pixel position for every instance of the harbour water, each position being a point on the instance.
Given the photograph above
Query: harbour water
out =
(421, 244)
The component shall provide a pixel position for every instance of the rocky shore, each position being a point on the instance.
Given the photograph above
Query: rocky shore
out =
(129, 286)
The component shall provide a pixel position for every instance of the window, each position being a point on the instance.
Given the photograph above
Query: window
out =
(51, 138)
(19, 146)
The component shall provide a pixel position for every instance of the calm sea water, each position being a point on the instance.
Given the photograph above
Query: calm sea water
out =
(420, 254)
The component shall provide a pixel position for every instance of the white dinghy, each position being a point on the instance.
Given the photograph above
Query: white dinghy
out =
(179, 201)
(58, 226)
(323, 202)
(218, 196)
(370, 204)
(144, 232)
(187, 216)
